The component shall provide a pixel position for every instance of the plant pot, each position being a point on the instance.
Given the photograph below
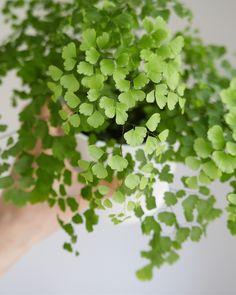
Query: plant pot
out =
(160, 187)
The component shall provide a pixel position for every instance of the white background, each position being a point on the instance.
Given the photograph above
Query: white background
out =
(110, 255)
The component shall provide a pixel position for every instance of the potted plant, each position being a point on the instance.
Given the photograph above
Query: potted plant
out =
(128, 100)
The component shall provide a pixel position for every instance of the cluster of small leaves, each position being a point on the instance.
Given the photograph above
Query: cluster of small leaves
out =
(116, 74)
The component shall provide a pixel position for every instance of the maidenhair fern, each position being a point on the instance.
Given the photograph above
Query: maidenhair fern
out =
(114, 71)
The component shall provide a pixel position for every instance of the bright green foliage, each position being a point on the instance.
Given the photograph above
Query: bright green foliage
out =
(70, 82)
(86, 109)
(224, 162)
(117, 163)
(69, 56)
(96, 119)
(216, 136)
(135, 137)
(6, 182)
(92, 56)
(202, 148)
(107, 67)
(55, 73)
(74, 120)
(118, 197)
(95, 152)
(151, 145)
(99, 171)
(153, 121)
(232, 198)
(72, 100)
(167, 218)
(85, 68)
(192, 163)
(132, 181)
(153, 91)
(140, 81)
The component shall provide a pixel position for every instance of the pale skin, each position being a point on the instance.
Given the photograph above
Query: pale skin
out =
(22, 228)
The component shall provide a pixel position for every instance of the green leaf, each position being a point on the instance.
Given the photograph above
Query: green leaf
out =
(182, 234)
(148, 24)
(135, 137)
(107, 67)
(83, 164)
(172, 100)
(69, 64)
(132, 181)
(143, 182)
(228, 97)
(92, 56)
(196, 233)
(6, 182)
(18, 197)
(103, 40)
(123, 85)
(95, 152)
(153, 122)
(140, 81)
(171, 75)
(69, 51)
(72, 204)
(99, 170)
(107, 203)
(172, 257)
(91, 219)
(67, 247)
(131, 97)
(63, 114)
(161, 92)
(93, 94)
(154, 68)
(70, 82)
(150, 224)
(55, 73)
(109, 105)
(163, 135)
(123, 59)
(145, 273)
(103, 189)
(86, 109)
(193, 163)
(232, 198)
(74, 120)
(230, 117)
(118, 197)
(121, 115)
(88, 39)
(150, 145)
(77, 219)
(211, 170)
(72, 100)
(117, 163)
(170, 199)
(202, 148)
(192, 182)
(96, 119)
(150, 97)
(167, 218)
(224, 162)
(176, 46)
(231, 148)
(189, 204)
(216, 136)
(56, 89)
(130, 206)
(85, 68)
(94, 82)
